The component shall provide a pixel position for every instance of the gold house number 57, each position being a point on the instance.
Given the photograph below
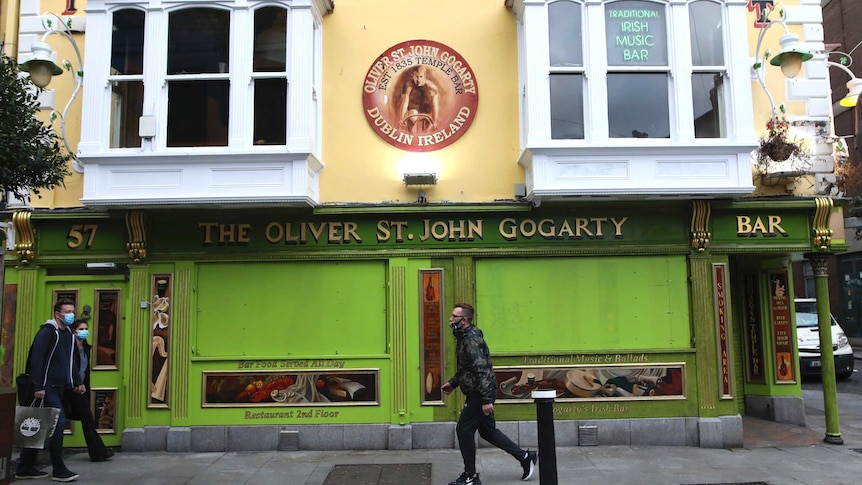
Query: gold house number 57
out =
(76, 235)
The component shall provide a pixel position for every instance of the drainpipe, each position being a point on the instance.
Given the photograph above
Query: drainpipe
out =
(10, 13)
(827, 356)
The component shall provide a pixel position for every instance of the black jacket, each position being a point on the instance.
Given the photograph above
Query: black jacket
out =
(76, 360)
(50, 362)
(475, 373)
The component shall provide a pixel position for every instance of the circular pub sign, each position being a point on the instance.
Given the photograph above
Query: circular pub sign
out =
(420, 96)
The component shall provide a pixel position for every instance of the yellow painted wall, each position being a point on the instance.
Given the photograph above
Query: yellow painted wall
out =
(360, 166)
(775, 80)
(777, 85)
(63, 86)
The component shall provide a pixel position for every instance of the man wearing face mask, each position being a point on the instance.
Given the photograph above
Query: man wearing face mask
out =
(476, 378)
(51, 369)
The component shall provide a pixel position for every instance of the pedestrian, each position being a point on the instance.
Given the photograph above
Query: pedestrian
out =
(80, 403)
(475, 376)
(50, 366)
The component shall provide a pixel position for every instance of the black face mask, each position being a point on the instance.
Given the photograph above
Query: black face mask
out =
(454, 325)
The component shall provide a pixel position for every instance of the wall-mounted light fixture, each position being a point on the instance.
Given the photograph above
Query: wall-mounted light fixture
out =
(790, 58)
(42, 68)
(854, 87)
(101, 265)
(420, 179)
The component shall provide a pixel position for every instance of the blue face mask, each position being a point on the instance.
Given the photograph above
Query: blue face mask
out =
(83, 334)
(68, 318)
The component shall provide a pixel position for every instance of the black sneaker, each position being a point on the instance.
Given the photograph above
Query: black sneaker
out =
(467, 479)
(30, 473)
(106, 457)
(64, 476)
(529, 464)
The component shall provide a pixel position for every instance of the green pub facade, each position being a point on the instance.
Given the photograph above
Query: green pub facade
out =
(327, 328)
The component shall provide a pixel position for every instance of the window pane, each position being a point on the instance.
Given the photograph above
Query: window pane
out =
(270, 41)
(198, 41)
(564, 29)
(567, 106)
(127, 101)
(127, 42)
(638, 106)
(706, 34)
(197, 113)
(636, 33)
(270, 111)
(708, 100)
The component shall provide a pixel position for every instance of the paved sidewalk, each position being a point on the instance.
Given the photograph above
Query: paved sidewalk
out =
(773, 453)
(807, 464)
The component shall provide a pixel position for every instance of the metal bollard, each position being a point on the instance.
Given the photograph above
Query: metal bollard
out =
(547, 441)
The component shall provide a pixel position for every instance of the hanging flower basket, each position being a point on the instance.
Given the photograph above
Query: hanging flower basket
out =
(775, 146)
(779, 149)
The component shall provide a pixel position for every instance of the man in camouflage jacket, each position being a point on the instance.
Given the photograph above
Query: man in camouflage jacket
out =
(476, 378)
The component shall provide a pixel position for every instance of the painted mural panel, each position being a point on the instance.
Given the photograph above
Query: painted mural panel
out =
(592, 382)
(782, 333)
(317, 387)
(104, 402)
(432, 334)
(160, 339)
(107, 328)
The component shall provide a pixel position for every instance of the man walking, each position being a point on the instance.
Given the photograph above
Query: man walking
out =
(476, 377)
(51, 370)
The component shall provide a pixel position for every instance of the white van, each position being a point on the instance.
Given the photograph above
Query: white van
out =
(808, 337)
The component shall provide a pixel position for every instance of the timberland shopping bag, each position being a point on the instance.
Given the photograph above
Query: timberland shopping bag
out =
(34, 425)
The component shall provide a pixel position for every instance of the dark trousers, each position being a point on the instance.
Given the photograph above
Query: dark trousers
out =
(472, 419)
(27, 460)
(80, 404)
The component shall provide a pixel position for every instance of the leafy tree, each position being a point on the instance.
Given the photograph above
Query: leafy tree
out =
(31, 157)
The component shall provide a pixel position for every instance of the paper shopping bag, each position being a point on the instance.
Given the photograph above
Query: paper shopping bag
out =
(34, 426)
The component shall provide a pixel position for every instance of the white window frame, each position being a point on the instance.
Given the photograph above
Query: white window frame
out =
(600, 165)
(240, 172)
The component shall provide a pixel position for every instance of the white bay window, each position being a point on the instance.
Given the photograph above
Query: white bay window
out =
(635, 97)
(202, 103)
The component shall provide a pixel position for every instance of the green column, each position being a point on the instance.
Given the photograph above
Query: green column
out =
(704, 331)
(399, 348)
(26, 321)
(138, 335)
(827, 357)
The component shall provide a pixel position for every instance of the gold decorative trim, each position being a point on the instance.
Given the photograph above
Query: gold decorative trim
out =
(137, 230)
(25, 236)
(819, 265)
(820, 224)
(700, 235)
